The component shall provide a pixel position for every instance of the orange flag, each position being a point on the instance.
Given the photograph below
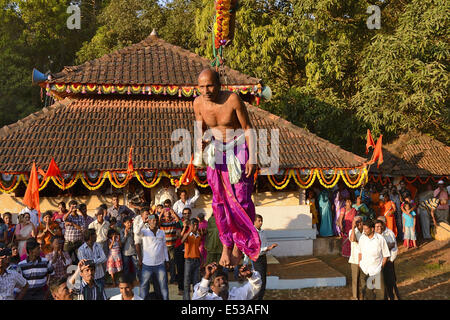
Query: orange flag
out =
(369, 142)
(378, 152)
(188, 176)
(130, 169)
(31, 198)
(53, 170)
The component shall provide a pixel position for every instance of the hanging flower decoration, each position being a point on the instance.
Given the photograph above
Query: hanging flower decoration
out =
(224, 22)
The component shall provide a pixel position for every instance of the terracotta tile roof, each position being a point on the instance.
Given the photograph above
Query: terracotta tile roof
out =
(86, 134)
(415, 154)
(151, 62)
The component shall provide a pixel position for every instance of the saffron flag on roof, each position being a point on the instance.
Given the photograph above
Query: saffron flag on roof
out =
(369, 142)
(53, 170)
(130, 169)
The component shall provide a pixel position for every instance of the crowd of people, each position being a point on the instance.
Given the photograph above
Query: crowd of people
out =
(70, 254)
(371, 221)
(67, 250)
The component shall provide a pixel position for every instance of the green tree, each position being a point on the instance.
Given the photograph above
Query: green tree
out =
(404, 78)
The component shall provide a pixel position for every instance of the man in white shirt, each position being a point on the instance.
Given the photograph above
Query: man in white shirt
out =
(374, 253)
(91, 250)
(166, 192)
(126, 289)
(185, 202)
(217, 280)
(260, 265)
(390, 279)
(34, 217)
(101, 227)
(354, 235)
(155, 257)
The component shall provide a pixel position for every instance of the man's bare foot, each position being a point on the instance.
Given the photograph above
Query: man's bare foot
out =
(225, 259)
(236, 256)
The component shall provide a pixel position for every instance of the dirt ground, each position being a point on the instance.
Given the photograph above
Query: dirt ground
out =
(422, 274)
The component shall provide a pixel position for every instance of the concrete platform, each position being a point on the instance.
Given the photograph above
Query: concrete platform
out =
(300, 272)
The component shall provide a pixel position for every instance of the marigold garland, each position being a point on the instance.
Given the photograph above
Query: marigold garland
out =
(333, 179)
(12, 187)
(279, 187)
(155, 181)
(115, 181)
(93, 185)
(364, 177)
(323, 182)
(349, 179)
(309, 182)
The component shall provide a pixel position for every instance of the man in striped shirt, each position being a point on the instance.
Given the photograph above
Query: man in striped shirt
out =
(168, 222)
(36, 271)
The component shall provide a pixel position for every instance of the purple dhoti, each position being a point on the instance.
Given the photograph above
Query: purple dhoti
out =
(232, 203)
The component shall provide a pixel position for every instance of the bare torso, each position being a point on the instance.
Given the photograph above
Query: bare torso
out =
(220, 115)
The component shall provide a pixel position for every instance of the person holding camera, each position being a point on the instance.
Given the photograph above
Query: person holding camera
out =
(217, 280)
(89, 288)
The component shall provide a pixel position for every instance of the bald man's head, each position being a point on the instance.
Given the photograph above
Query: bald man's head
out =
(210, 74)
(209, 84)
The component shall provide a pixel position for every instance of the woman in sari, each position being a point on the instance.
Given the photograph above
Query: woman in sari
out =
(345, 225)
(46, 231)
(7, 217)
(24, 231)
(326, 227)
(361, 208)
(389, 213)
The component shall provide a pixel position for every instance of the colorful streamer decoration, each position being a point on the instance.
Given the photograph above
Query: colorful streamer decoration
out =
(353, 178)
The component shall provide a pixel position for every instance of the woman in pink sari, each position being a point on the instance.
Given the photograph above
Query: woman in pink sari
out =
(345, 224)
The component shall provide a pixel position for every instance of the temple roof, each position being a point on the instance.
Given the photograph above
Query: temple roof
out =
(415, 154)
(152, 61)
(96, 132)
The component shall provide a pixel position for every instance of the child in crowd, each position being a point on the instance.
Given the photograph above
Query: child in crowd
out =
(409, 225)
(114, 263)
(113, 225)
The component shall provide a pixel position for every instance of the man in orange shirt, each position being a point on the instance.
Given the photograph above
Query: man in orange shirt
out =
(192, 240)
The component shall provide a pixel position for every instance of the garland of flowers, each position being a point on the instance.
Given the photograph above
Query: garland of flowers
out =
(333, 180)
(274, 184)
(347, 177)
(155, 181)
(63, 185)
(115, 180)
(309, 182)
(410, 182)
(288, 174)
(15, 183)
(138, 89)
(364, 176)
(93, 185)
(325, 183)
(203, 184)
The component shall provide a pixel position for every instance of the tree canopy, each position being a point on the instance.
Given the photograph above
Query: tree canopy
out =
(328, 71)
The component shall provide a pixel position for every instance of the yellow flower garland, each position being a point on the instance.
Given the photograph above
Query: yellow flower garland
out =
(313, 172)
(270, 178)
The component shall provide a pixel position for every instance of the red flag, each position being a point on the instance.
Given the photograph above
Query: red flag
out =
(53, 170)
(31, 198)
(378, 152)
(369, 142)
(188, 176)
(130, 169)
